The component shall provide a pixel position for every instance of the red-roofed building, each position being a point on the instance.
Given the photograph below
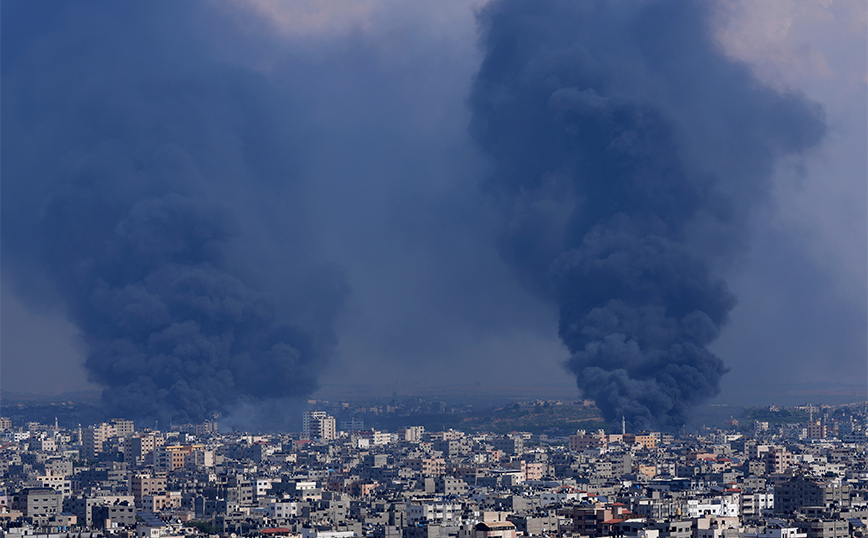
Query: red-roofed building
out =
(277, 531)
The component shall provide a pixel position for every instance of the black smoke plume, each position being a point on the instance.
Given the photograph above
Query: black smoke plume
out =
(627, 154)
(147, 186)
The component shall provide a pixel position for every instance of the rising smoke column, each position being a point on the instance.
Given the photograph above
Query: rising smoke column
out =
(627, 154)
(171, 331)
(136, 171)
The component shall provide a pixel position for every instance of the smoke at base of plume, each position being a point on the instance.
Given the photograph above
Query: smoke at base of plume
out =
(627, 154)
(171, 333)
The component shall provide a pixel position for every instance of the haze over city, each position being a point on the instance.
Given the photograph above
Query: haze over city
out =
(219, 206)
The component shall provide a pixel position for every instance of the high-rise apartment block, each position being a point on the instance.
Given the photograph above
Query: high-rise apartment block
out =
(138, 448)
(318, 425)
(95, 437)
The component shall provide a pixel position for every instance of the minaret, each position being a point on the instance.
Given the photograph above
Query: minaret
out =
(623, 425)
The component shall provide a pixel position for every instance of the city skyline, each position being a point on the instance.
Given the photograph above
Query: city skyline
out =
(797, 472)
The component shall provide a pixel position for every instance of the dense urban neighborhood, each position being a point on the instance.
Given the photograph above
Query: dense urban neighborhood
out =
(338, 479)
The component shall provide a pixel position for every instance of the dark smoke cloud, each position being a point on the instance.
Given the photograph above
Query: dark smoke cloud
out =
(139, 180)
(314, 167)
(628, 153)
(305, 164)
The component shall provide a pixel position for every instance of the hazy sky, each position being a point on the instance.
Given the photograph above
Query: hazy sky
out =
(337, 133)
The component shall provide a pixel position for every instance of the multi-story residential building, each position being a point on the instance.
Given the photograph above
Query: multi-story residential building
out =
(318, 425)
(778, 460)
(451, 448)
(139, 447)
(799, 492)
(816, 430)
(122, 427)
(58, 482)
(117, 513)
(44, 444)
(412, 434)
(433, 512)
(94, 437)
(819, 528)
(38, 502)
(82, 507)
(508, 444)
(756, 504)
(647, 440)
(168, 458)
(531, 470)
(162, 501)
(494, 529)
(590, 520)
(582, 440)
(142, 484)
(432, 466)
(282, 510)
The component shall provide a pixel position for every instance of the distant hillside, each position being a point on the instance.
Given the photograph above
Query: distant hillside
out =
(9, 396)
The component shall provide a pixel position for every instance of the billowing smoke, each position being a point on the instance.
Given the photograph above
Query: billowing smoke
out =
(171, 331)
(627, 155)
(149, 188)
